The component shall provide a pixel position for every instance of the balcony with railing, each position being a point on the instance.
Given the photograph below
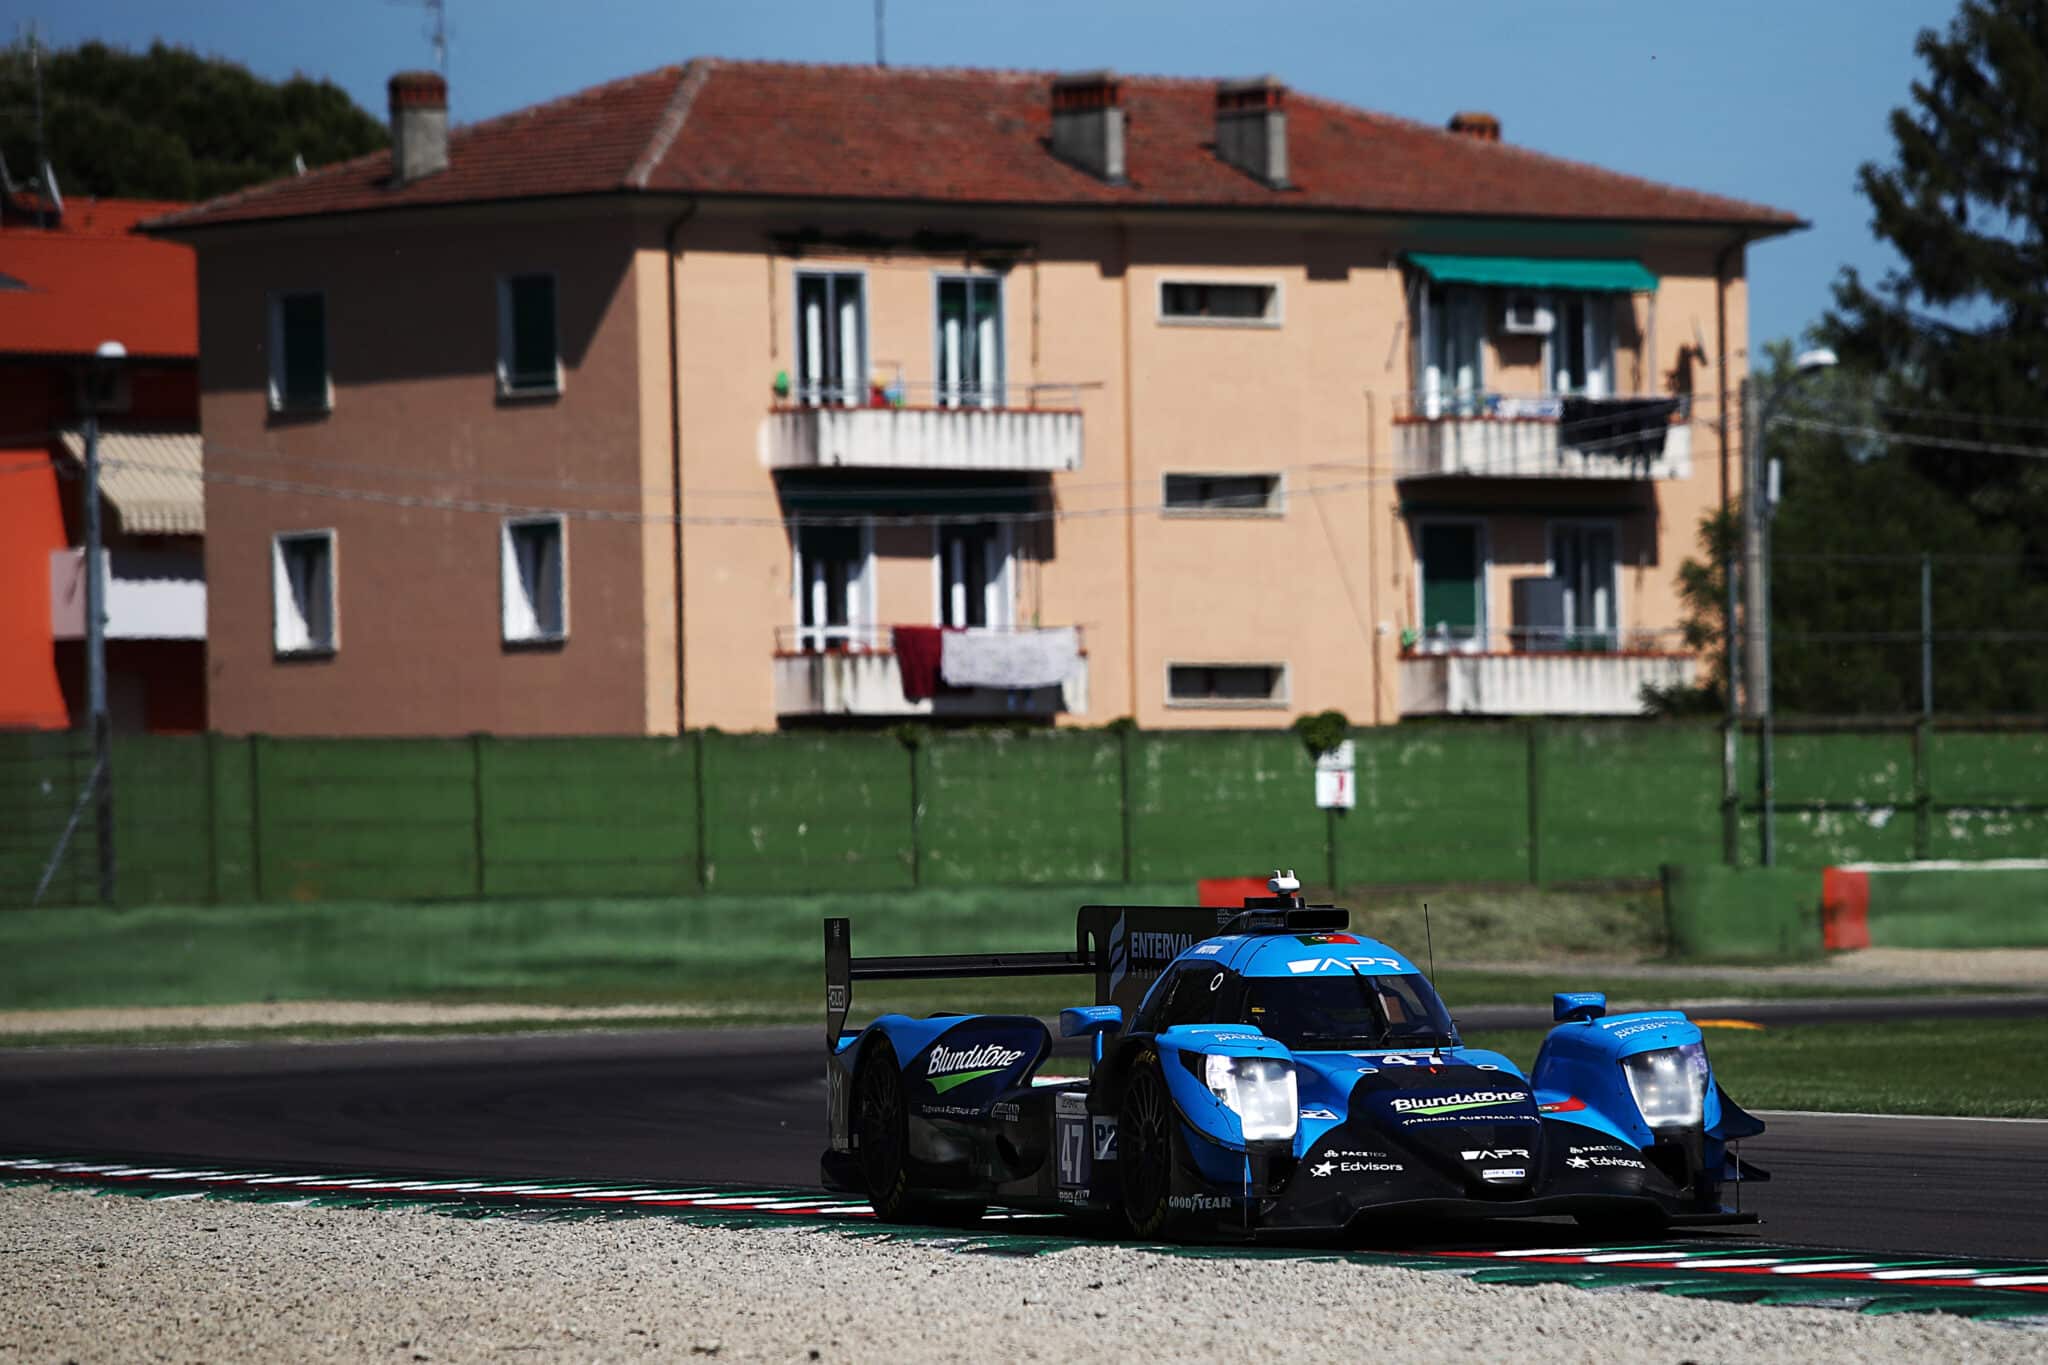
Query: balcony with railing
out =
(1529, 672)
(1545, 436)
(927, 426)
(859, 670)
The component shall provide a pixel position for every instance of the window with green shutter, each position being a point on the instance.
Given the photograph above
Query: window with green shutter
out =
(528, 359)
(298, 359)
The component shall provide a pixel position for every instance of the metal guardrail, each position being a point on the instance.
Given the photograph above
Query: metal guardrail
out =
(1620, 640)
(899, 392)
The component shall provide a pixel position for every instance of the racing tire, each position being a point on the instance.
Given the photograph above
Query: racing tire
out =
(881, 1125)
(1149, 1149)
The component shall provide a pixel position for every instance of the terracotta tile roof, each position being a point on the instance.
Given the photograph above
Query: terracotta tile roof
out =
(69, 288)
(965, 136)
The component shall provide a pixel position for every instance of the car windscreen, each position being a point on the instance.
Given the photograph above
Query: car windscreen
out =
(1333, 1012)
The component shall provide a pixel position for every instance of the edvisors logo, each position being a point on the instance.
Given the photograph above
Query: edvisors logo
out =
(947, 1069)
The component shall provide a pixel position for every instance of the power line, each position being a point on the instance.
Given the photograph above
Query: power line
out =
(1912, 439)
(432, 503)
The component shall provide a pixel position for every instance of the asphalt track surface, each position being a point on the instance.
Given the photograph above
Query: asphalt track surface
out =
(747, 1107)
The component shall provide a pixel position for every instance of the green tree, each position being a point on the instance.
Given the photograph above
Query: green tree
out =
(169, 123)
(1854, 519)
(1962, 326)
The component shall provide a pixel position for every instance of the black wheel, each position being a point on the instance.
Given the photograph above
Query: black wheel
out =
(881, 1125)
(1146, 1140)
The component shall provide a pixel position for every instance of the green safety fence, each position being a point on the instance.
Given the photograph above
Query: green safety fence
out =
(212, 819)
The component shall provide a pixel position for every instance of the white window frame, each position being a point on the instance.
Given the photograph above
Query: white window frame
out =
(853, 394)
(1274, 508)
(1484, 628)
(1556, 301)
(860, 599)
(274, 308)
(999, 598)
(1282, 699)
(997, 394)
(512, 588)
(506, 388)
(1436, 394)
(1276, 313)
(1613, 526)
(281, 596)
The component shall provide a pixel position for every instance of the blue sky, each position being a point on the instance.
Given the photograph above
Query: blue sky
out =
(1772, 100)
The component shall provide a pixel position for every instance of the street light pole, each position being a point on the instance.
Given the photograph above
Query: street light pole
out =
(109, 353)
(1765, 500)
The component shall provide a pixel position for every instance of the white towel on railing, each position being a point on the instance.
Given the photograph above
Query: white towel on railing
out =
(1008, 658)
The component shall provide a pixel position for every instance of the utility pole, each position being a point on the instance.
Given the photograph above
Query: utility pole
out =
(1760, 496)
(881, 53)
(1731, 653)
(1752, 546)
(99, 372)
(1927, 635)
(96, 645)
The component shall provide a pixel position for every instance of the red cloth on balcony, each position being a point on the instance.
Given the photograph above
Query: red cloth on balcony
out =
(917, 659)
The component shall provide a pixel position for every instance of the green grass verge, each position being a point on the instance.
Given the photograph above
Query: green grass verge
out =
(1990, 1068)
(753, 957)
(1506, 924)
(708, 950)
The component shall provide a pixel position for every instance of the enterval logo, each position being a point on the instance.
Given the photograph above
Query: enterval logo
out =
(1458, 1102)
(947, 1068)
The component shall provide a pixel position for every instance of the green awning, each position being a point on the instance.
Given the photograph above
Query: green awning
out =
(1536, 272)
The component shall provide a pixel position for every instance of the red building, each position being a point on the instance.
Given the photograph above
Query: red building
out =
(70, 279)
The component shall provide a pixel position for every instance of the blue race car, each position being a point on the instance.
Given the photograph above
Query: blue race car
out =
(1264, 1072)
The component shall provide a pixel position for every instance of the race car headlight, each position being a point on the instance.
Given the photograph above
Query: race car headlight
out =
(1260, 1091)
(1670, 1085)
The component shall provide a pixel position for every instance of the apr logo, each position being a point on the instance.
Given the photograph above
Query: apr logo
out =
(947, 1068)
(1498, 1154)
(1303, 966)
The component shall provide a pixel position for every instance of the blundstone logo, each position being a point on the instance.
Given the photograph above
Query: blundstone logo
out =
(947, 1068)
(1451, 1104)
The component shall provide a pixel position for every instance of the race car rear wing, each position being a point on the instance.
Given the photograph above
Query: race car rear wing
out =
(1124, 947)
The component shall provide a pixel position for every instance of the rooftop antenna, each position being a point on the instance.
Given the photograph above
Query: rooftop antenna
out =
(436, 29)
(438, 9)
(881, 53)
(1429, 943)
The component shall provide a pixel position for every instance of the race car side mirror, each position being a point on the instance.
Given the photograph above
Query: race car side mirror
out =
(1566, 1006)
(1082, 1020)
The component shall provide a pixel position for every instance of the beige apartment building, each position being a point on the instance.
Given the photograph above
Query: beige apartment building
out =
(752, 395)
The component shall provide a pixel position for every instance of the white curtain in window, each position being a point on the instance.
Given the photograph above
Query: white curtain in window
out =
(853, 377)
(531, 583)
(290, 629)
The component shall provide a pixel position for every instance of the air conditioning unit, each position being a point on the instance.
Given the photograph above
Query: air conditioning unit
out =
(1525, 315)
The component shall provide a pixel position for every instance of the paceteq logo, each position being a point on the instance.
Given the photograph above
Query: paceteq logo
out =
(947, 1068)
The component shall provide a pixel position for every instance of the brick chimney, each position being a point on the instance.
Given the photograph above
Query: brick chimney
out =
(1251, 128)
(419, 126)
(1088, 123)
(1474, 124)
